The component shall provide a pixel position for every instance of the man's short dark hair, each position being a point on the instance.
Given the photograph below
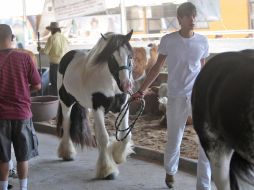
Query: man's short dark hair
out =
(186, 9)
(5, 32)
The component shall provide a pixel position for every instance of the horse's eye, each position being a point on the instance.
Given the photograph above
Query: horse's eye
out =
(130, 57)
(130, 64)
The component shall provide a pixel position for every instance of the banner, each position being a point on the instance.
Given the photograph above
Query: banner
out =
(208, 10)
(66, 9)
(15, 8)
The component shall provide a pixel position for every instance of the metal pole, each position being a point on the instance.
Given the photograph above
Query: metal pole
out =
(123, 17)
(24, 22)
(38, 47)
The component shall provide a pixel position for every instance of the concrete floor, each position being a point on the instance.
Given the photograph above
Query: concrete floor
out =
(48, 172)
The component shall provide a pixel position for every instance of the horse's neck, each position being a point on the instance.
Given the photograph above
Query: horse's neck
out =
(82, 65)
(94, 52)
(89, 66)
(92, 67)
(90, 57)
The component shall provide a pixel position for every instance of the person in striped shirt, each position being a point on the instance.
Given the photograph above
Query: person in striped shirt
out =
(18, 76)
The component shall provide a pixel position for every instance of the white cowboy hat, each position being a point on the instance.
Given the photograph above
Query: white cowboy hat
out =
(53, 25)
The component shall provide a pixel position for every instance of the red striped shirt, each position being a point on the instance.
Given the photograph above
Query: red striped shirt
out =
(17, 72)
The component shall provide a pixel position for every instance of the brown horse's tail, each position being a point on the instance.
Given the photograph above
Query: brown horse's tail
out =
(80, 132)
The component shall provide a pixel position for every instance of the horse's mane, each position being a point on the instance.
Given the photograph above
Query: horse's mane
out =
(105, 47)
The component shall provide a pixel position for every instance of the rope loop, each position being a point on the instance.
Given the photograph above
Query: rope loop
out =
(122, 114)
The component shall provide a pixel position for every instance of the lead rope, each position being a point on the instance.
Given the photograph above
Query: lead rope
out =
(122, 114)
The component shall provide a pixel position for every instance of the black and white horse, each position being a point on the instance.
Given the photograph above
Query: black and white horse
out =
(223, 117)
(99, 80)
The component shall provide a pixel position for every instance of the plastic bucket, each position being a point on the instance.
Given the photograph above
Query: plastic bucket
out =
(44, 108)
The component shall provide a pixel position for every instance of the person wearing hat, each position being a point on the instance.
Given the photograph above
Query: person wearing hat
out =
(56, 46)
(18, 76)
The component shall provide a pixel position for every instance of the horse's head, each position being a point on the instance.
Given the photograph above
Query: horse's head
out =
(118, 54)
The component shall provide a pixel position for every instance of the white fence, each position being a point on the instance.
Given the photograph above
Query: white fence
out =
(217, 45)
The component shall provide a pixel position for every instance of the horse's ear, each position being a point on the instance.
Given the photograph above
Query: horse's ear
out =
(128, 36)
(103, 37)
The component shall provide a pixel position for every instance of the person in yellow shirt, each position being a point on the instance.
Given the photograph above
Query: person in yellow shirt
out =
(56, 46)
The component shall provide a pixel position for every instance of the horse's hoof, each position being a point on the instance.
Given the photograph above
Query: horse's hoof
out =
(110, 177)
(68, 159)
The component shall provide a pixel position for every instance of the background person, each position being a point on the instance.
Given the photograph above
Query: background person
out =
(56, 46)
(184, 52)
(18, 76)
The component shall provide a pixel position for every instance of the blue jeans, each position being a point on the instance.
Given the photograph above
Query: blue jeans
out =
(53, 78)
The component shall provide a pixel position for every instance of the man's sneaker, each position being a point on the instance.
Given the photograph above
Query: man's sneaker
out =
(169, 180)
(13, 173)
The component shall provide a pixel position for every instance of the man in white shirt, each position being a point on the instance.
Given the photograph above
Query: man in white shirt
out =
(184, 52)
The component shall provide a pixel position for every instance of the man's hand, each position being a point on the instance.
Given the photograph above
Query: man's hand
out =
(35, 88)
(38, 48)
(138, 95)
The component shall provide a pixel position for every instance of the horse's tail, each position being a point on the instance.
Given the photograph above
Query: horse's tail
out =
(79, 131)
(241, 170)
(59, 121)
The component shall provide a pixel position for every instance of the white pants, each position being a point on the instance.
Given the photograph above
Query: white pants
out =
(203, 171)
(178, 110)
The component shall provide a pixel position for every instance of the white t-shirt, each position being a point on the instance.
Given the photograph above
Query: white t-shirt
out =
(183, 60)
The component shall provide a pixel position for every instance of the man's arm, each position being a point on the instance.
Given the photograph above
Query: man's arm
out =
(154, 72)
(35, 88)
(47, 47)
(34, 77)
(202, 62)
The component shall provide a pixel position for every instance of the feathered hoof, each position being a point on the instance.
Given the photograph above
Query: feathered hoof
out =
(111, 176)
(66, 156)
(121, 151)
(66, 151)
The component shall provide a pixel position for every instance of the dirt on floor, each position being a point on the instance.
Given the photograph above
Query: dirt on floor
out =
(148, 132)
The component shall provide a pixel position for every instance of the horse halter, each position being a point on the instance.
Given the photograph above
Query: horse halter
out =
(115, 68)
